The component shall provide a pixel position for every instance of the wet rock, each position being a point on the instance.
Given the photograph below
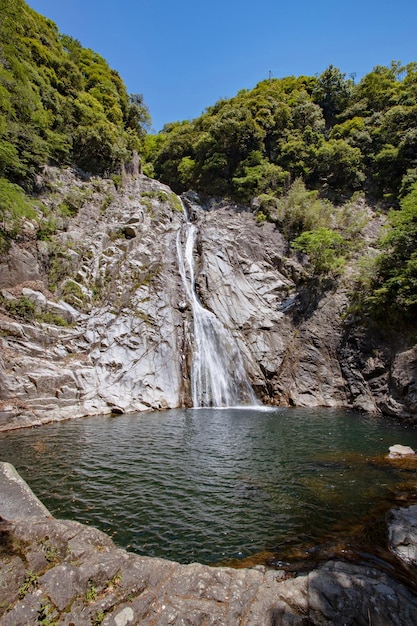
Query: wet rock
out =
(18, 500)
(402, 533)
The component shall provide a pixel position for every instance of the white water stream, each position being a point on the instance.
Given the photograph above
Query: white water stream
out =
(218, 378)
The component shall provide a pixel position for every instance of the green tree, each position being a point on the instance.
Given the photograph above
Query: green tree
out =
(380, 88)
(394, 287)
(59, 102)
(325, 249)
(340, 167)
(332, 93)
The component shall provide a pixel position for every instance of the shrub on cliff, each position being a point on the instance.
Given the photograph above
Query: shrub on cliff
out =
(393, 288)
(325, 249)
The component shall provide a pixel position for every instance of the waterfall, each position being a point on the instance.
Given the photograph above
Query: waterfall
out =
(218, 378)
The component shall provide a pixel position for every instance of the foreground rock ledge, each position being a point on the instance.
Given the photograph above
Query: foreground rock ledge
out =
(65, 573)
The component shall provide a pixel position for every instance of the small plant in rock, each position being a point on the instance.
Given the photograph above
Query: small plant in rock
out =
(22, 308)
(73, 293)
(97, 290)
(160, 195)
(106, 202)
(46, 230)
(74, 201)
(175, 203)
(98, 619)
(46, 615)
(45, 317)
(92, 592)
(50, 552)
(117, 180)
(60, 264)
(29, 583)
(114, 581)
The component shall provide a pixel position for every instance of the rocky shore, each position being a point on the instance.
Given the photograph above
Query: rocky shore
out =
(65, 573)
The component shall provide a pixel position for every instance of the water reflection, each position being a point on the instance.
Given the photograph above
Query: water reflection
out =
(215, 484)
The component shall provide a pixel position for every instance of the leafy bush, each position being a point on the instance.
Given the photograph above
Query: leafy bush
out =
(301, 210)
(46, 230)
(393, 288)
(59, 266)
(22, 308)
(73, 293)
(15, 206)
(325, 249)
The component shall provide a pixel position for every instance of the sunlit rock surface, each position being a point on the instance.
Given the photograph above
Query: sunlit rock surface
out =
(400, 451)
(127, 342)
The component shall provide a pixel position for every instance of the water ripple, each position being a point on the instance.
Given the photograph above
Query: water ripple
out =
(208, 484)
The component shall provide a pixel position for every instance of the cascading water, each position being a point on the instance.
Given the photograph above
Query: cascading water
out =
(218, 378)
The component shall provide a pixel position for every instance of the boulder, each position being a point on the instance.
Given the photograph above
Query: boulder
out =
(398, 451)
(402, 534)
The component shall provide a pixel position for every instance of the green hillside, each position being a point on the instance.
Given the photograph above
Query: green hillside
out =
(337, 136)
(299, 150)
(60, 104)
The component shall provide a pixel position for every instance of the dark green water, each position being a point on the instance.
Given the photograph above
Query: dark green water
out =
(213, 485)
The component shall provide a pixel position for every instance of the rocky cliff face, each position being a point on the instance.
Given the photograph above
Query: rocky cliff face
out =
(127, 340)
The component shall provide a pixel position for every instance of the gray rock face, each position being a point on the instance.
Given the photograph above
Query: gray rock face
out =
(128, 340)
(403, 534)
(62, 572)
(17, 499)
(122, 350)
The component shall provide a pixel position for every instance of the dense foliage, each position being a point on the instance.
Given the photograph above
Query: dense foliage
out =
(60, 103)
(391, 281)
(337, 136)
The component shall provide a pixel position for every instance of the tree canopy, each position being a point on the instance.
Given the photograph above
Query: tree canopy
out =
(337, 136)
(393, 285)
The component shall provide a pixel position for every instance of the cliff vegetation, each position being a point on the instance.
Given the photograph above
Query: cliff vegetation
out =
(60, 104)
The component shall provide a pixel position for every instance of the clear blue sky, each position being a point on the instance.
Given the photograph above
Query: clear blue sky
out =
(185, 55)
